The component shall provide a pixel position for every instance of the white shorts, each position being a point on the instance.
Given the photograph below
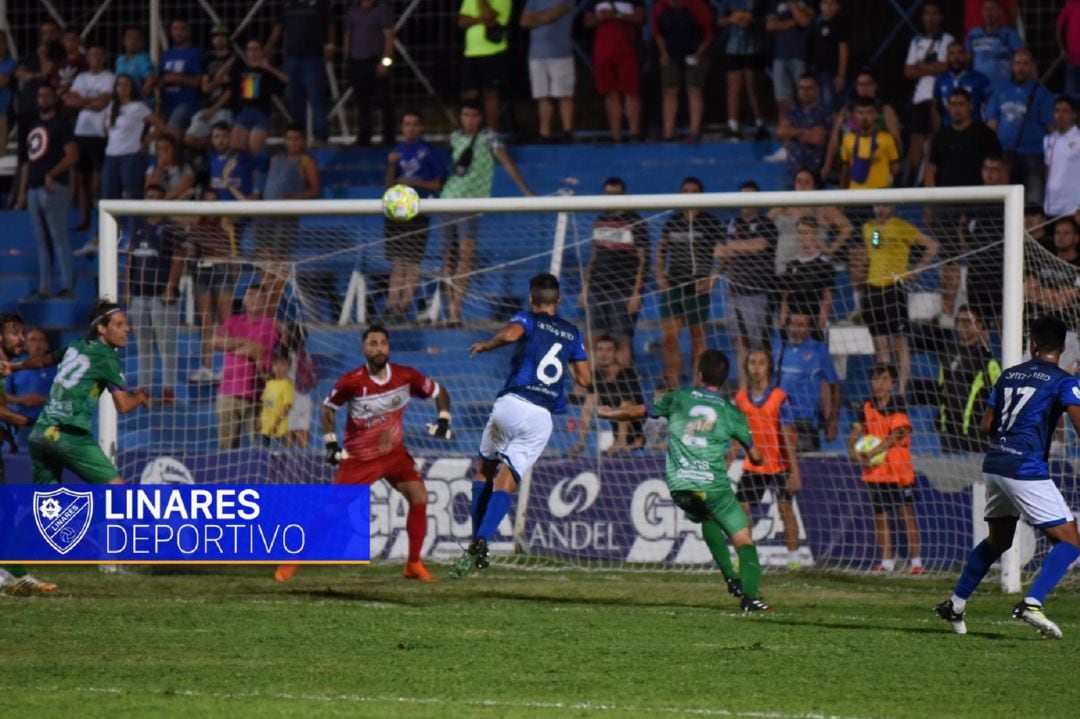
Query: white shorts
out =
(553, 77)
(300, 414)
(1038, 501)
(516, 433)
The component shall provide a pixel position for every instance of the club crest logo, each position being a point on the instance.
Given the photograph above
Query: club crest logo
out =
(63, 516)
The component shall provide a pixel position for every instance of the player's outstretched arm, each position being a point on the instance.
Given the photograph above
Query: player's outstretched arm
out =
(582, 373)
(334, 452)
(440, 429)
(129, 401)
(509, 334)
(1074, 415)
(625, 413)
(46, 360)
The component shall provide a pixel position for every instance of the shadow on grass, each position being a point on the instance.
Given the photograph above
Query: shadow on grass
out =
(825, 624)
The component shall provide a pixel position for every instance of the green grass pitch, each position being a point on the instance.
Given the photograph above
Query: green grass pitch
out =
(365, 642)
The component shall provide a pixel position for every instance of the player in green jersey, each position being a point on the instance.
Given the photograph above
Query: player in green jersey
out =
(701, 425)
(62, 437)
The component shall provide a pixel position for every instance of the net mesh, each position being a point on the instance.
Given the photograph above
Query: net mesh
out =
(827, 292)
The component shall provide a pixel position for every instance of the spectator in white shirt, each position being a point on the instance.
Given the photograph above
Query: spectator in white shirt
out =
(1061, 150)
(90, 94)
(125, 161)
(925, 61)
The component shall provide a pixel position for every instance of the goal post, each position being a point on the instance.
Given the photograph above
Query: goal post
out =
(558, 232)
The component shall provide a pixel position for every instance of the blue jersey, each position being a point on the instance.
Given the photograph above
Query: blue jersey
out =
(29, 381)
(992, 54)
(420, 161)
(233, 169)
(180, 61)
(1028, 401)
(977, 85)
(800, 370)
(540, 360)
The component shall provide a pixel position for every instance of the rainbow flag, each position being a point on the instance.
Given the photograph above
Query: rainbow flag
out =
(249, 85)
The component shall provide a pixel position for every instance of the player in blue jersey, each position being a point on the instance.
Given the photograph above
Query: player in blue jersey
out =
(1025, 406)
(546, 346)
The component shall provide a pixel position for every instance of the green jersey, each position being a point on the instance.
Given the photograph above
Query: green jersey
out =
(87, 368)
(701, 425)
(472, 172)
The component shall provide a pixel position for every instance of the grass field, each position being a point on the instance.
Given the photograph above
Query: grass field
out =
(364, 642)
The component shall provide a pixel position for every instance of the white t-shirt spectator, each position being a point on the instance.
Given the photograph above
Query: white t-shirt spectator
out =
(125, 135)
(920, 48)
(91, 85)
(1062, 154)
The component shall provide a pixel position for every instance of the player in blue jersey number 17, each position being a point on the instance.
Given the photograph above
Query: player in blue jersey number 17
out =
(547, 348)
(1025, 406)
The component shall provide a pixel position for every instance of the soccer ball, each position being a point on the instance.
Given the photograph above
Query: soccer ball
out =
(400, 203)
(867, 443)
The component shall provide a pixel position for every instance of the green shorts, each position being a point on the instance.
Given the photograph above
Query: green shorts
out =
(722, 507)
(53, 449)
(686, 303)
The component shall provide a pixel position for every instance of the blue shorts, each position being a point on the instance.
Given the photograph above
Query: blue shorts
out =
(253, 119)
(180, 116)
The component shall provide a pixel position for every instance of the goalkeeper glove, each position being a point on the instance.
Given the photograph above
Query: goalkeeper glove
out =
(334, 452)
(441, 428)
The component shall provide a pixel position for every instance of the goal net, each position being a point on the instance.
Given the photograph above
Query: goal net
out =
(829, 284)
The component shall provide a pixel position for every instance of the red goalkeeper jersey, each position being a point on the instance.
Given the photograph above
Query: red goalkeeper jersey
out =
(374, 427)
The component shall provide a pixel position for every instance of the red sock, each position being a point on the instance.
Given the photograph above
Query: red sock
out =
(416, 526)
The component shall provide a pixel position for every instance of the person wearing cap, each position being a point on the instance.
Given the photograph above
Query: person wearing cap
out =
(216, 88)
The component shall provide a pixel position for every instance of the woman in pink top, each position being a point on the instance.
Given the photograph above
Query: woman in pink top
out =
(248, 341)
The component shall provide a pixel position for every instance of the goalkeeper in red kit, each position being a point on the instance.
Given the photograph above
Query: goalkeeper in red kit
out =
(376, 394)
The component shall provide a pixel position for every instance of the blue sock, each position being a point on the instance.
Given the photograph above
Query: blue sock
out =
(498, 506)
(1057, 562)
(481, 493)
(979, 561)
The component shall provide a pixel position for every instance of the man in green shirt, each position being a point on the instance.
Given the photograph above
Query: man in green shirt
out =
(486, 57)
(473, 150)
(701, 425)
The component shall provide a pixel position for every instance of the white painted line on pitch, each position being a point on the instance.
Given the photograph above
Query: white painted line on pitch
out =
(489, 703)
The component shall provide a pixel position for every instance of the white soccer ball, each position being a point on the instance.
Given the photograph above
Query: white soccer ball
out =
(868, 443)
(400, 203)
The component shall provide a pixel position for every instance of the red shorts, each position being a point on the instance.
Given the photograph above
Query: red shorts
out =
(397, 466)
(617, 72)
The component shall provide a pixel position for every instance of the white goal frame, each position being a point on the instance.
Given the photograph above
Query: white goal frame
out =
(1011, 196)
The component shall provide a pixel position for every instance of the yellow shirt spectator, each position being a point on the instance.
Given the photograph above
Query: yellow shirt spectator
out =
(277, 400)
(477, 43)
(880, 150)
(888, 246)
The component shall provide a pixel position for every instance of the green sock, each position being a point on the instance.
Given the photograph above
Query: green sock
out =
(750, 568)
(717, 541)
(16, 570)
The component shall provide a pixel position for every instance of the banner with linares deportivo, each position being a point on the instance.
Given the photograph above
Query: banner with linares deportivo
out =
(184, 523)
(615, 510)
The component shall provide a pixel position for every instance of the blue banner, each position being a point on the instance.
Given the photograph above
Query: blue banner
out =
(175, 523)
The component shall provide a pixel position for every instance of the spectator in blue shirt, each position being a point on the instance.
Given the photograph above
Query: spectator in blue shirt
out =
(7, 75)
(232, 173)
(806, 373)
(136, 64)
(417, 164)
(992, 45)
(27, 390)
(744, 21)
(551, 61)
(805, 129)
(1020, 113)
(958, 75)
(180, 72)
